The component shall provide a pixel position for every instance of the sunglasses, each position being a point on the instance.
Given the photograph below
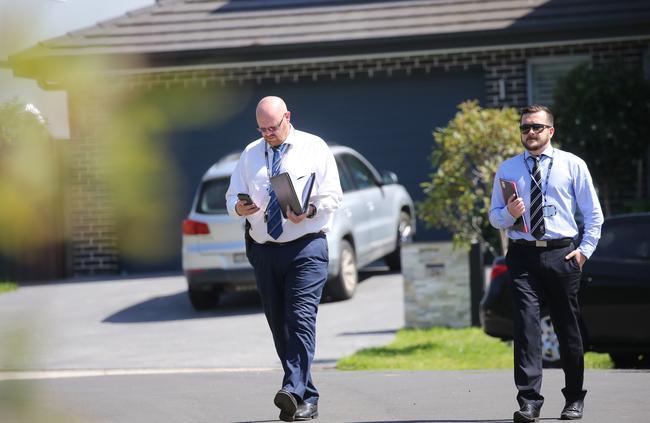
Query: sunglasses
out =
(536, 127)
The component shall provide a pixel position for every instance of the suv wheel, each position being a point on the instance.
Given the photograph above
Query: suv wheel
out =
(550, 344)
(344, 284)
(203, 300)
(404, 236)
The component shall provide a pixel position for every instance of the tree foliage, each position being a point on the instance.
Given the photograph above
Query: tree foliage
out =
(465, 158)
(603, 115)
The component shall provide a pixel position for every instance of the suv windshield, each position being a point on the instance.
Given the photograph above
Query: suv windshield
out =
(212, 198)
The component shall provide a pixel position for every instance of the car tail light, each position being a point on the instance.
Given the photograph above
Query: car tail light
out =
(192, 227)
(498, 270)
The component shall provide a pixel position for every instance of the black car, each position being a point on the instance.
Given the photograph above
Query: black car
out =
(614, 296)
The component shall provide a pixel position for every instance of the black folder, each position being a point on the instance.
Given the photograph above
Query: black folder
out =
(287, 188)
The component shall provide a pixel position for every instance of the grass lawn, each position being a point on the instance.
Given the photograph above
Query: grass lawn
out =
(7, 286)
(444, 349)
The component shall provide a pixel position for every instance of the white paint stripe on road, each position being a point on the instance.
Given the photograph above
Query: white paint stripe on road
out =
(60, 374)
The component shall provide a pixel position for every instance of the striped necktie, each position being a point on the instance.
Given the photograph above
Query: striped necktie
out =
(536, 210)
(274, 217)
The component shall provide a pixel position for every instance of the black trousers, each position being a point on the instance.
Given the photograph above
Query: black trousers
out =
(542, 274)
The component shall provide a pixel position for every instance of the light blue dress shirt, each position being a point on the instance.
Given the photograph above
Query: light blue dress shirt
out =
(567, 188)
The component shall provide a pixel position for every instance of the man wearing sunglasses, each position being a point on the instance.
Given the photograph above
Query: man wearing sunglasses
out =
(289, 254)
(543, 258)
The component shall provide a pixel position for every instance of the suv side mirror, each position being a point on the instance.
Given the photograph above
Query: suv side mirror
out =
(388, 177)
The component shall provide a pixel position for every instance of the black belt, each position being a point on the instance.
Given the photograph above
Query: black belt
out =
(546, 243)
(302, 238)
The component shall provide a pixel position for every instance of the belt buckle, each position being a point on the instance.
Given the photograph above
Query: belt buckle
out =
(541, 244)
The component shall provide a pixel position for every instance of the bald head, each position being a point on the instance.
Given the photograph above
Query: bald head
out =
(272, 115)
(271, 106)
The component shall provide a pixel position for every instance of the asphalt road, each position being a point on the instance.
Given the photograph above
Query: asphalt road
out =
(354, 397)
(133, 350)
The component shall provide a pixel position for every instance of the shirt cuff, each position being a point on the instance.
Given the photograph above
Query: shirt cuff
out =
(507, 218)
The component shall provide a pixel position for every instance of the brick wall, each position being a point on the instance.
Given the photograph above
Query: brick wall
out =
(90, 219)
(92, 226)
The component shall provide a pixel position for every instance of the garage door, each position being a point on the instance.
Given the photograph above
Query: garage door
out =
(390, 120)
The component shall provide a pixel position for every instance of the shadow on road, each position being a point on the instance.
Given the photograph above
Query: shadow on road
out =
(177, 307)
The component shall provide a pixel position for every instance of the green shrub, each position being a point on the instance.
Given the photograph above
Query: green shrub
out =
(465, 158)
(7, 287)
(602, 115)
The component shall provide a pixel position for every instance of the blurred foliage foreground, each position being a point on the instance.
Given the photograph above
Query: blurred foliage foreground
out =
(41, 177)
(116, 178)
(444, 349)
(25, 401)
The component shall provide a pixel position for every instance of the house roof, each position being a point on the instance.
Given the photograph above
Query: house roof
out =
(185, 31)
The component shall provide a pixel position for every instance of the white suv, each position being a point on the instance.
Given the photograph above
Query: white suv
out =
(376, 217)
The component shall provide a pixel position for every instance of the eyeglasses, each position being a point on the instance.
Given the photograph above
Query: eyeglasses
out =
(536, 127)
(272, 128)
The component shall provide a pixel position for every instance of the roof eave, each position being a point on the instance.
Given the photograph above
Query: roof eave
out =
(35, 64)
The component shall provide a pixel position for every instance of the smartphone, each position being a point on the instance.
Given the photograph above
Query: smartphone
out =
(245, 198)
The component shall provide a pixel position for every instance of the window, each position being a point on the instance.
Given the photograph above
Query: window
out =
(212, 199)
(344, 177)
(361, 175)
(543, 74)
(624, 240)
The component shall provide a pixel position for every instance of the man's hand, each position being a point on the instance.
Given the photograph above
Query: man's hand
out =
(296, 218)
(243, 209)
(580, 259)
(516, 206)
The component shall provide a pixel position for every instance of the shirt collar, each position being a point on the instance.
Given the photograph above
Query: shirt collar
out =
(290, 140)
(548, 151)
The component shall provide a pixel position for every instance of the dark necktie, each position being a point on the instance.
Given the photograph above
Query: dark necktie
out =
(274, 217)
(536, 210)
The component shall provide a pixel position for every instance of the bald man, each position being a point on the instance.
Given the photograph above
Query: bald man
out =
(289, 255)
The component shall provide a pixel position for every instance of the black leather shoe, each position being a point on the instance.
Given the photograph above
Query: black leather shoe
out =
(306, 411)
(527, 413)
(287, 404)
(573, 410)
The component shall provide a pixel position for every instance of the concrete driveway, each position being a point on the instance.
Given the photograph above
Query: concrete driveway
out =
(149, 324)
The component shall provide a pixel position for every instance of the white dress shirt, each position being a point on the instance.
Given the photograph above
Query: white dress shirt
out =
(567, 187)
(306, 153)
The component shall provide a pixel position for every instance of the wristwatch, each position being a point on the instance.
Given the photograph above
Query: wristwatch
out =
(312, 211)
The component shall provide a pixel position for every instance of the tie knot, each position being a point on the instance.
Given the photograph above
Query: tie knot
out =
(536, 160)
(280, 148)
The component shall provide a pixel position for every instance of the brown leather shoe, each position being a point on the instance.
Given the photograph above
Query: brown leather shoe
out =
(528, 413)
(572, 410)
(287, 404)
(306, 411)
